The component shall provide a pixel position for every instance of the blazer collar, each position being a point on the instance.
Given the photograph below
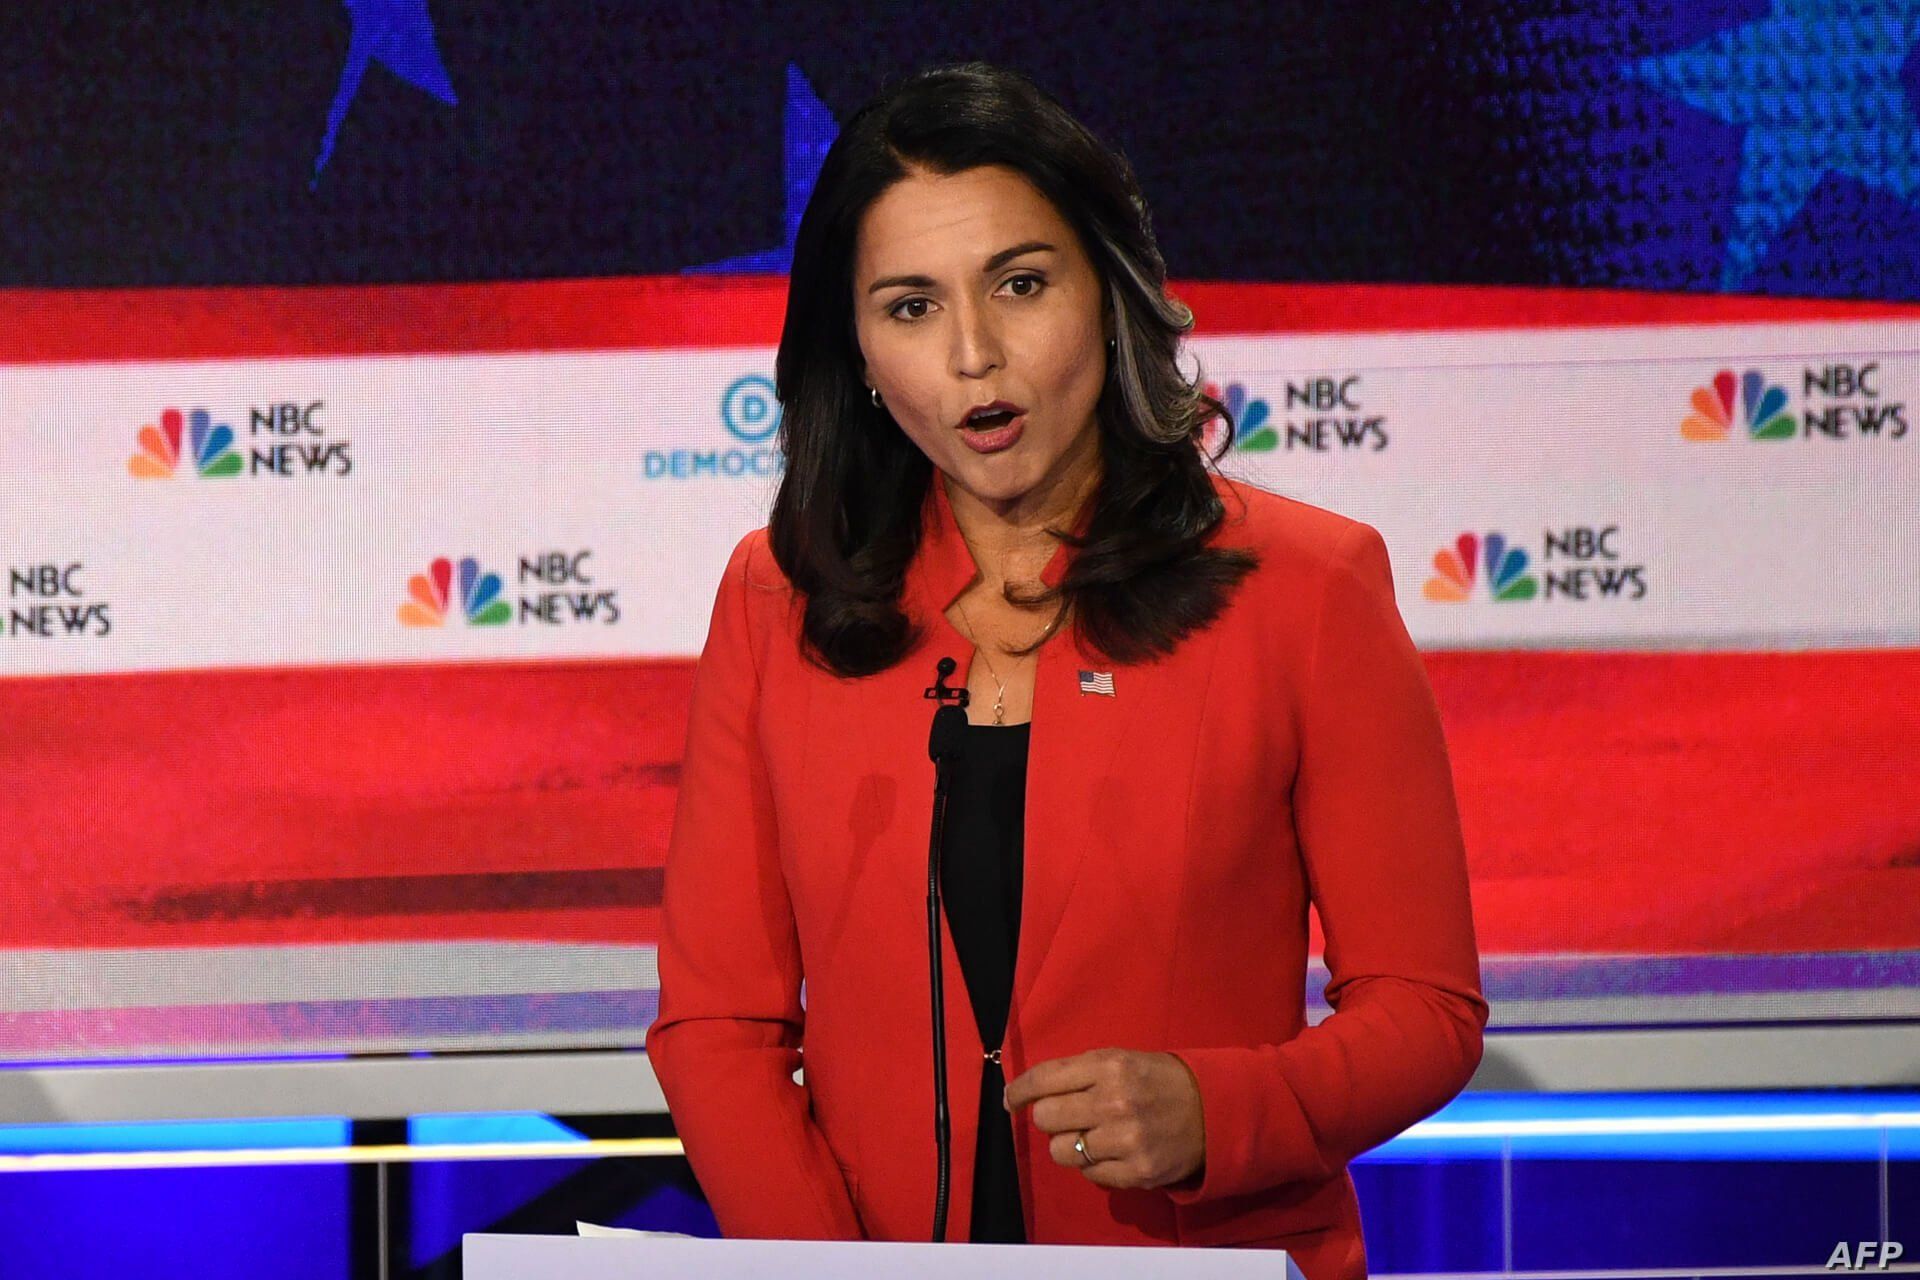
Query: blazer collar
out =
(1078, 744)
(944, 566)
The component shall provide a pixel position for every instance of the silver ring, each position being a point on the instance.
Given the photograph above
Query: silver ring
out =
(1080, 1145)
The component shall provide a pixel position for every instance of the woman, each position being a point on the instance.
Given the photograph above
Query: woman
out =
(1194, 708)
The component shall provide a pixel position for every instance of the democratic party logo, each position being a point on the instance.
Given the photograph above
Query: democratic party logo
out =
(1837, 402)
(1760, 406)
(750, 415)
(1323, 414)
(429, 596)
(284, 439)
(555, 589)
(210, 443)
(1577, 562)
(1457, 568)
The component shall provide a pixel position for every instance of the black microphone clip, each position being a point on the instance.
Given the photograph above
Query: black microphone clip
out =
(938, 690)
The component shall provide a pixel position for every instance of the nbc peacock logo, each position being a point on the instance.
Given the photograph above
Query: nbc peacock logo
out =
(210, 443)
(1251, 434)
(430, 596)
(1459, 566)
(1758, 405)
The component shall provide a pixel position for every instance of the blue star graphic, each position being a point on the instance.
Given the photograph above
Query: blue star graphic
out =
(809, 130)
(398, 34)
(1817, 85)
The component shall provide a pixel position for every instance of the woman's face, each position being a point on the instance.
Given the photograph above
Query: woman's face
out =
(971, 288)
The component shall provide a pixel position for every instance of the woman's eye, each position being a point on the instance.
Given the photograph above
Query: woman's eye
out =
(899, 310)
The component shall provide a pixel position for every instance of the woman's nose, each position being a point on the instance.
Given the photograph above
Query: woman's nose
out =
(976, 342)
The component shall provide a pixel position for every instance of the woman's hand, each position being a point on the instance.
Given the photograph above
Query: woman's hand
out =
(1139, 1112)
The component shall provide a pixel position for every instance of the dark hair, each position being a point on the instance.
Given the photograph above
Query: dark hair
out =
(846, 519)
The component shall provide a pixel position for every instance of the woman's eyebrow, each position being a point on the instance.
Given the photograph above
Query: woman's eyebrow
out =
(994, 263)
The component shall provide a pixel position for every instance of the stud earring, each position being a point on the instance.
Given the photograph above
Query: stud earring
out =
(876, 396)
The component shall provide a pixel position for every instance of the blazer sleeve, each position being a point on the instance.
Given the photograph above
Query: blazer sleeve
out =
(1379, 832)
(726, 1042)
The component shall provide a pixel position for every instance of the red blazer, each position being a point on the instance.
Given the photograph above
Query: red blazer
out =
(1175, 833)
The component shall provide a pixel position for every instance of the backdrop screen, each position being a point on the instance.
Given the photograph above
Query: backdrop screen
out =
(383, 385)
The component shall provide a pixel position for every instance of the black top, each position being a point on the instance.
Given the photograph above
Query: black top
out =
(981, 857)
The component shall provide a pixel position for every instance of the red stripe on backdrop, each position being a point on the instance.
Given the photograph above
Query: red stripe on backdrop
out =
(1636, 803)
(673, 312)
(1657, 803)
(1237, 308)
(340, 804)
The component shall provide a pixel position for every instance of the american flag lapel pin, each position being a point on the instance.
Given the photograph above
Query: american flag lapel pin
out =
(1097, 682)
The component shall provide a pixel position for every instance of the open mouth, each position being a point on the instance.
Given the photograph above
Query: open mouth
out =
(992, 416)
(990, 421)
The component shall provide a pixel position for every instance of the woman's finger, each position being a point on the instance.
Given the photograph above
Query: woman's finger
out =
(1060, 1147)
(1104, 1171)
(1063, 1111)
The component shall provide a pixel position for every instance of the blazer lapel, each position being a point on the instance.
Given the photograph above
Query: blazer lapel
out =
(1075, 736)
(1073, 743)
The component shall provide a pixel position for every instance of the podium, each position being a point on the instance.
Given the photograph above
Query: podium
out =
(498, 1257)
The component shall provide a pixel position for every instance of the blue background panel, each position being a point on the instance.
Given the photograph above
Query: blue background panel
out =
(1571, 1214)
(1431, 1215)
(211, 1224)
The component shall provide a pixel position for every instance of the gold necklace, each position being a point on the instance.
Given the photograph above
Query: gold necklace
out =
(1000, 699)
